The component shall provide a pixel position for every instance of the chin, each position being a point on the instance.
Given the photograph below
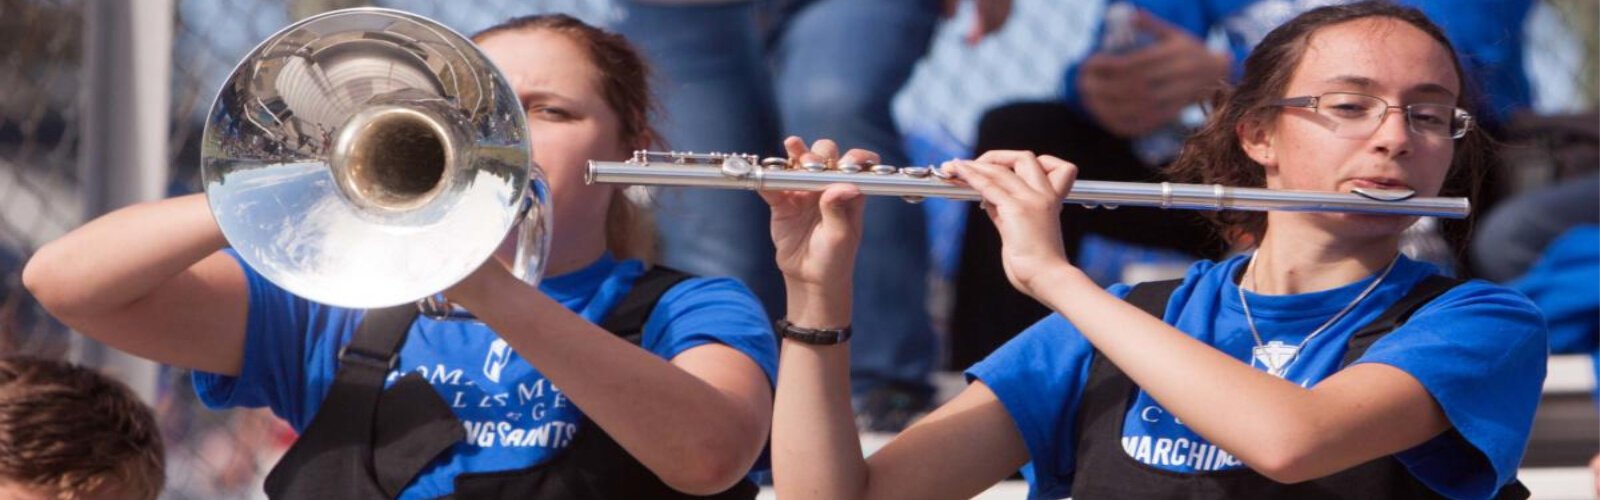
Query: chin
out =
(1375, 225)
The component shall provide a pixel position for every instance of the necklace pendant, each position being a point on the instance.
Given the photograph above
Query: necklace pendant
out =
(1276, 356)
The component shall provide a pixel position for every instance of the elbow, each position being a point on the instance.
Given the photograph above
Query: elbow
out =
(1299, 448)
(42, 278)
(718, 463)
(1283, 468)
(1290, 461)
(707, 475)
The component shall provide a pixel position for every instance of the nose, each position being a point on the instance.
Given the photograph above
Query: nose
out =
(1392, 137)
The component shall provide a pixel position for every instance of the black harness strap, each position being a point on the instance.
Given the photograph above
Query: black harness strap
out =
(1421, 294)
(628, 317)
(380, 335)
(413, 426)
(1152, 297)
(343, 427)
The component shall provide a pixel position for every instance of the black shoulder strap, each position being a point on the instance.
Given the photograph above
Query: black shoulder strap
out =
(1106, 391)
(1106, 394)
(1152, 296)
(1421, 293)
(331, 456)
(380, 335)
(1108, 388)
(627, 319)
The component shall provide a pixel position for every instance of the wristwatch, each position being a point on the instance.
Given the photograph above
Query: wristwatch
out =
(813, 336)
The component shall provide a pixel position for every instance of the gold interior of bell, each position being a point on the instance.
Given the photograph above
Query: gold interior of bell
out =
(392, 158)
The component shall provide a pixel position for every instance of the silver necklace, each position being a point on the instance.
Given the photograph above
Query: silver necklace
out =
(1276, 355)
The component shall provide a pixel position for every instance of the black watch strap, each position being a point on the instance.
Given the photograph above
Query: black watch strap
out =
(814, 336)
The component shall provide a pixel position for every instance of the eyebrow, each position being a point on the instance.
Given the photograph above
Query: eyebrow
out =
(1367, 83)
(531, 95)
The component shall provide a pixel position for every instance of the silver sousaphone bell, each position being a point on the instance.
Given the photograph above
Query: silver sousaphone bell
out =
(370, 157)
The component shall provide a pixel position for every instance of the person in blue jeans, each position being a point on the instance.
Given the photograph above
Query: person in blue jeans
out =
(735, 76)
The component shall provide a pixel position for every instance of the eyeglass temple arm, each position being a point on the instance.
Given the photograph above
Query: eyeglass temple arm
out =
(1309, 101)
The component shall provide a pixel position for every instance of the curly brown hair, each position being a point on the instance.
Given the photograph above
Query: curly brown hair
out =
(625, 85)
(1213, 155)
(70, 430)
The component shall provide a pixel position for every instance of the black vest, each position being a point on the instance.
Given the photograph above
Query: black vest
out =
(368, 443)
(1104, 470)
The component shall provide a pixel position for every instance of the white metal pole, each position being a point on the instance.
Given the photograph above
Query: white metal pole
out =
(125, 121)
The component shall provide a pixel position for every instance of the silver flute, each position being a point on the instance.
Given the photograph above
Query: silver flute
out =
(744, 171)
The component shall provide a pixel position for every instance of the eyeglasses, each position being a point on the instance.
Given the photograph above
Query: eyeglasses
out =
(1357, 116)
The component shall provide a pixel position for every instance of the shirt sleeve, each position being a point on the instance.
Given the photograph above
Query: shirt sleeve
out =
(276, 349)
(1480, 350)
(699, 311)
(1039, 377)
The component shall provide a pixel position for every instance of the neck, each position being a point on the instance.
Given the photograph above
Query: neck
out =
(1296, 258)
(573, 252)
(576, 251)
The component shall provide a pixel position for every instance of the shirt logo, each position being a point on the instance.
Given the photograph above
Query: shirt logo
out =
(495, 362)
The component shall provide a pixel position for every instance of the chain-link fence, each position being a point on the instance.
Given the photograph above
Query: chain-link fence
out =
(224, 454)
(41, 52)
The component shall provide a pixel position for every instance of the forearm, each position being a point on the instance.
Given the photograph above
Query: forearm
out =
(816, 451)
(679, 426)
(117, 259)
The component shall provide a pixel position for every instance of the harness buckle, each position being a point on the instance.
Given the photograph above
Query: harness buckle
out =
(367, 359)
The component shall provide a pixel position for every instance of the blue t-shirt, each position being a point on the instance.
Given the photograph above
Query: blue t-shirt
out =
(1487, 34)
(514, 417)
(1479, 350)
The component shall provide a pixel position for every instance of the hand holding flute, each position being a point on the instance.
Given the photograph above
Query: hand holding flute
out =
(1021, 194)
(816, 234)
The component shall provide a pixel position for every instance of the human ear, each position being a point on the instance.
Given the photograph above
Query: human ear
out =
(1255, 137)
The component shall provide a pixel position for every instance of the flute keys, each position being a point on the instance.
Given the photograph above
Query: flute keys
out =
(917, 172)
(736, 166)
(814, 166)
(772, 162)
(849, 167)
(884, 169)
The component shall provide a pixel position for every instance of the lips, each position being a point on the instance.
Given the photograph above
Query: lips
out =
(1380, 183)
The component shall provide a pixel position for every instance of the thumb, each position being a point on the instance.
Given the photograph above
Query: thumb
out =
(840, 203)
(774, 199)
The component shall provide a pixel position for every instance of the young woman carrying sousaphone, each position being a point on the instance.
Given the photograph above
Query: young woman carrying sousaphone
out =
(610, 379)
